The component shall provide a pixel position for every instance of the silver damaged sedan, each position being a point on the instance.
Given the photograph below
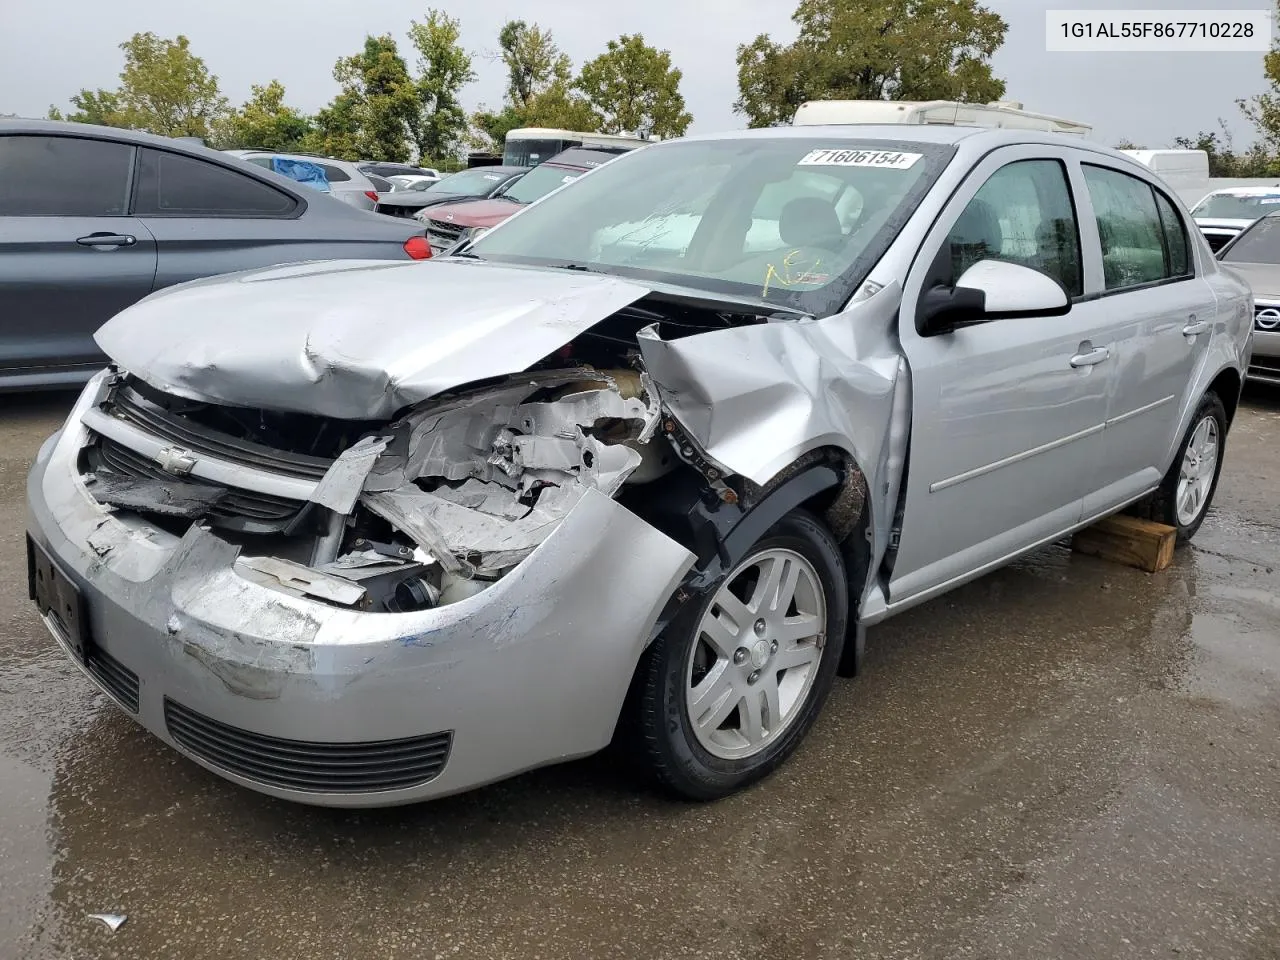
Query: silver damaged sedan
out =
(641, 463)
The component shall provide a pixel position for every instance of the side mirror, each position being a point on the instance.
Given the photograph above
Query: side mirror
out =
(990, 290)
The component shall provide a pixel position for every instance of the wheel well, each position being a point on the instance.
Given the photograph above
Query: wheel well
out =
(1227, 386)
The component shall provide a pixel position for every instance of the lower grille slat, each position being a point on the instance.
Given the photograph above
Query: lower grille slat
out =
(307, 766)
(115, 677)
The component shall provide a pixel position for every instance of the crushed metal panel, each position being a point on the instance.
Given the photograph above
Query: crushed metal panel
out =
(354, 340)
(302, 580)
(755, 398)
(168, 498)
(340, 487)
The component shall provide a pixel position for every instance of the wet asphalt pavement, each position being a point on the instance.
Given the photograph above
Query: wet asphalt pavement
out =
(1065, 759)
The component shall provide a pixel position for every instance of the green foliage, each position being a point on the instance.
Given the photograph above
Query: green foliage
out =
(1225, 161)
(633, 87)
(370, 118)
(101, 107)
(264, 122)
(1263, 110)
(164, 89)
(444, 68)
(872, 50)
(533, 61)
(540, 88)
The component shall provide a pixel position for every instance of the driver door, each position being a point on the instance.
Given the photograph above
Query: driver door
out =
(1007, 415)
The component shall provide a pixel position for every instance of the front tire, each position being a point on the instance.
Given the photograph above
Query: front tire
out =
(732, 686)
(1183, 498)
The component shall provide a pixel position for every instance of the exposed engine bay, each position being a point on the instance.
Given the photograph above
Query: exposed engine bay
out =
(422, 511)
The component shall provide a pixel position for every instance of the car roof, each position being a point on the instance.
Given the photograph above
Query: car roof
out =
(119, 134)
(1271, 191)
(493, 169)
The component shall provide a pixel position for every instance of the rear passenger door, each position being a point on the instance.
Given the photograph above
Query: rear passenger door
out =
(1163, 311)
(209, 219)
(1007, 415)
(70, 256)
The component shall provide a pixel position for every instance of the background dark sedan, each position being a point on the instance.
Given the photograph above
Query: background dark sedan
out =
(92, 219)
(475, 184)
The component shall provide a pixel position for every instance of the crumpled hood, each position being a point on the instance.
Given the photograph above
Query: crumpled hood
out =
(354, 339)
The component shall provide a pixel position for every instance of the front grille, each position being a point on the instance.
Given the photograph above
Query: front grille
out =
(1266, 317)
(115, 677)
(393, 210)
(305, 766)
(240, 509)
(442, 235)
(1219, 240)
(130, 406)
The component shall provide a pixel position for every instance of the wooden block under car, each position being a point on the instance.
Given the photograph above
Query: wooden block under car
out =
(1128, 540)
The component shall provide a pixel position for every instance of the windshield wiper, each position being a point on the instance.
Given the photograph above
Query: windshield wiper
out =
(574, 266)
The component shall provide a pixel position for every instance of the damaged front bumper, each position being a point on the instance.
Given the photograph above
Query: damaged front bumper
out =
(319, 704)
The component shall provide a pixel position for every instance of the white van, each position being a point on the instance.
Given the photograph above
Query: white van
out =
(1178, 168)
(1001, 113)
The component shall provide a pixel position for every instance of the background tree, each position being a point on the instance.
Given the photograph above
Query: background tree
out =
(101, 107)
(533, 61)
(1224, 161)
(264, 122)
(872, 50)
(540, 88)
(1127, 144)
(370, 118)
(1263, 110)
(633, 88)
(164, 89)
(444, 68)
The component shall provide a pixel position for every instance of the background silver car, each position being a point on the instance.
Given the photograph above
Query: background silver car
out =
(1255, 255)
(346, 182)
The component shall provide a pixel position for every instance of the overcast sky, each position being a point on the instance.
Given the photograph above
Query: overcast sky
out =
(48, 53)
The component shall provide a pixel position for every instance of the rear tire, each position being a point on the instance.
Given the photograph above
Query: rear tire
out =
(732, 686)
(1184, 496)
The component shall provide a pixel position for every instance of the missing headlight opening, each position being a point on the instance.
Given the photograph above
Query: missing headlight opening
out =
(423, 510)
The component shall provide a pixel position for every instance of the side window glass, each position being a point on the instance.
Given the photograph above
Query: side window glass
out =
(1129, 227)
(63, 177)
(1022, 215)
(1175, 238)
(334, 174)
(175, 185)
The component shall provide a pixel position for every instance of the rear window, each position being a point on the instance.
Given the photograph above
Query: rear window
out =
(175, 185)
(63, 177)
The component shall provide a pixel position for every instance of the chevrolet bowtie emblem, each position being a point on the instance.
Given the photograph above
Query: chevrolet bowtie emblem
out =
(175, 460)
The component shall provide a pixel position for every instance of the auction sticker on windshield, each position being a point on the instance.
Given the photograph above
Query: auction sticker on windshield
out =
(890, 160)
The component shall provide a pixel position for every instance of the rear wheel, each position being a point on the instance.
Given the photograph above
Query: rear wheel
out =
(1187, 490)
(735, 682)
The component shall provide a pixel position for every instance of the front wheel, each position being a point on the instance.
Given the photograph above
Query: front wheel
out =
(1187, 490)
(732, 686)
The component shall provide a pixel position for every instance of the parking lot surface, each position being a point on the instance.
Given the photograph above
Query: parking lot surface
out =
(1068, 758)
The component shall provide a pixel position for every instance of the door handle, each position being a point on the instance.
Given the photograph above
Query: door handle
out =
(1194, 326)
(107, 240)
(1091, 357)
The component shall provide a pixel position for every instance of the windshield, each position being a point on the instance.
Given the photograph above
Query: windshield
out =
(1260, 243)
(523, 152)
(795, 221)
(537, 183)
(1229, 206)
(471, 183)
